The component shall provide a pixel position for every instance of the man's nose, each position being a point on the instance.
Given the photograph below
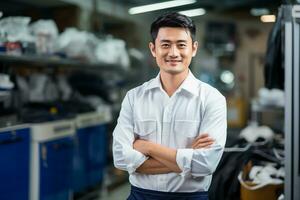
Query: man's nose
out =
(173, 52)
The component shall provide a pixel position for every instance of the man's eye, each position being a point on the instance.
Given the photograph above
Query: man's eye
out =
(165, 45)
(182, 45)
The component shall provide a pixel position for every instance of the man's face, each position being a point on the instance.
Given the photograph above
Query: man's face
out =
(173, 50)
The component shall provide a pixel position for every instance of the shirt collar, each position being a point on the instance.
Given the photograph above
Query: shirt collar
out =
(190, 84)
(154, 83)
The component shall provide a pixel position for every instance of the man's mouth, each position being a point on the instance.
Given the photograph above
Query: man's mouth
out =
(173, 61)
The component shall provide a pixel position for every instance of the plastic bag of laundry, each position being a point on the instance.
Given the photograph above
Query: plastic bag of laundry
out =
(16, 29)
(113, 51)
(78, 44)
(45, 33)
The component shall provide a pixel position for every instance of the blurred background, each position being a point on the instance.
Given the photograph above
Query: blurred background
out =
(65, 66)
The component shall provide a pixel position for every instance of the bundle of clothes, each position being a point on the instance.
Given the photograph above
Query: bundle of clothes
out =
(252, 166)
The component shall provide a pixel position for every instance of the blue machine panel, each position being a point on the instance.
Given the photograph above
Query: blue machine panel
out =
(97, 152)
(56, 159)
(14, 164)
(90, 157)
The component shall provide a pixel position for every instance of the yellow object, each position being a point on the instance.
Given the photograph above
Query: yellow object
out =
(267, 192)
(53, 110)
(236, 112)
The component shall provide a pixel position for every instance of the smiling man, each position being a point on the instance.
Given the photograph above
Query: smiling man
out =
(171, 130)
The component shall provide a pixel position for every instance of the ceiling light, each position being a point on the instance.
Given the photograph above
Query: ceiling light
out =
(268, 18)
(1, 13)
(193, 12)
(227, 77)
(259, 11)
(159, 6)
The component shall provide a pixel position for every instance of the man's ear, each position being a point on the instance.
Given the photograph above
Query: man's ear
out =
(195, 47)
(152, 49)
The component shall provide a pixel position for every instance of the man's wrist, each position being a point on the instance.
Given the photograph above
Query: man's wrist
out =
(143, 146)
(149, 145)
(151, 148)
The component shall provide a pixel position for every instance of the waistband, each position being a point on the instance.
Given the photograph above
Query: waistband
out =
(168, 194)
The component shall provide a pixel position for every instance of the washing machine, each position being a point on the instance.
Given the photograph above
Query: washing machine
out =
(91, 150)
(14, 163)
(52, 150)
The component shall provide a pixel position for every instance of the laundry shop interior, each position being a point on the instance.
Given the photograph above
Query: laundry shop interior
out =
(66, 65)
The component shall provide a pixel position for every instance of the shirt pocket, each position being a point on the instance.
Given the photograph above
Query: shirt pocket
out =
(185, 132)
(145, 129)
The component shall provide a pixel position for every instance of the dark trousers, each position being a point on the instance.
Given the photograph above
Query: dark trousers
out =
(143, 194)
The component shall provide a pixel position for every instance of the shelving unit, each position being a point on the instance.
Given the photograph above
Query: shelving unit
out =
(52, 61)
(55, 64)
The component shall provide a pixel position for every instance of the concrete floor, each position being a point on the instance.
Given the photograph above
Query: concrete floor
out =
(120, 193)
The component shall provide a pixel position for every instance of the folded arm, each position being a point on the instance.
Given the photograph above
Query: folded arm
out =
(163, 159)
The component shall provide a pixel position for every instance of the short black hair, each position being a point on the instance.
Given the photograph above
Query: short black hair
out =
(172, 19)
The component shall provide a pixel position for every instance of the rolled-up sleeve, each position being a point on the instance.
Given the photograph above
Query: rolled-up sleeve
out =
(203, 162)
(125, 157)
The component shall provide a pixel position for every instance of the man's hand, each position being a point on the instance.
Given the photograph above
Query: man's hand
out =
(142, 146)
(203, 141)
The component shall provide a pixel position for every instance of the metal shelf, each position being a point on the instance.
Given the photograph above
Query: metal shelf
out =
(257, 107)
(262, 108)
(52, 61)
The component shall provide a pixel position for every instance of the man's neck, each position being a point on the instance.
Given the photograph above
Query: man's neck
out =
(171, 82)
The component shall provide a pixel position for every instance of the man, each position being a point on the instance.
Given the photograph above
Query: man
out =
(171, 130)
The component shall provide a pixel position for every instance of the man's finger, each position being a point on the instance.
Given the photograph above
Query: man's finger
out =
(202, 135)
(202, 145)
(202, 140)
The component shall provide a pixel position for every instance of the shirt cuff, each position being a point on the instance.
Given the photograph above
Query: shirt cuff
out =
(134, 159)
(184, 159)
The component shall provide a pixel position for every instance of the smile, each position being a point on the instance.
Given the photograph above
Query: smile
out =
(173, 60)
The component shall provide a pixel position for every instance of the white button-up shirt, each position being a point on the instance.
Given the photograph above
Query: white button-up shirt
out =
(149, 113)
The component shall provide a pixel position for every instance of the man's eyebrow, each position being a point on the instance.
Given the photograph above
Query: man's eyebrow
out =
(169, 41)
(179, 41)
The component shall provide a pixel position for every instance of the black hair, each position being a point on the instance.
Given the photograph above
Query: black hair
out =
(172, 19)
